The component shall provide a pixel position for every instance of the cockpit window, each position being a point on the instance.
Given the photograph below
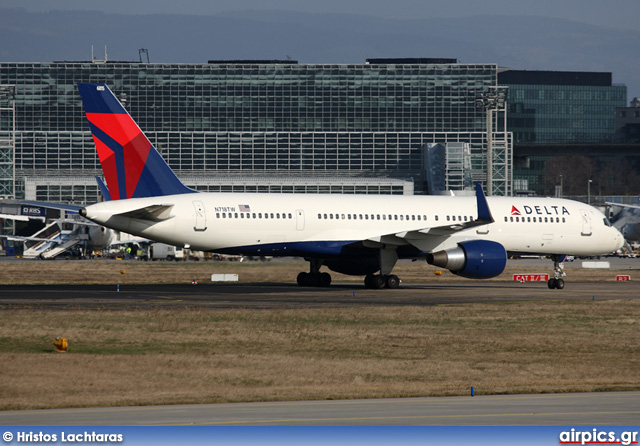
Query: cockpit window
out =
(606, 221)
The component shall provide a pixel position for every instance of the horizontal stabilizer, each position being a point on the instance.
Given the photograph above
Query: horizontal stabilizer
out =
(154, 212)
(103, 189)
(73, 209)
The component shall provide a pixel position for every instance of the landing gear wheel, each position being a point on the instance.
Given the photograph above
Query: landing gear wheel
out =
(303, 279)
(393, 281)
(324, 279)
(556, 283)
(368, 281)
(309, 279)
(379, 282)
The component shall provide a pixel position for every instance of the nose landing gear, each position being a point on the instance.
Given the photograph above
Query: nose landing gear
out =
(558, 273)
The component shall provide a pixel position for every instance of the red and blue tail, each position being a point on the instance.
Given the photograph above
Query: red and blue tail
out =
(132, 167)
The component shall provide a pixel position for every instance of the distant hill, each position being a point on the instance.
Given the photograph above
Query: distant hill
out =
(510, 41)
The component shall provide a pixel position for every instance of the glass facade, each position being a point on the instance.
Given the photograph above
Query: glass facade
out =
(558, 108)
(244, 119)
(556, 114)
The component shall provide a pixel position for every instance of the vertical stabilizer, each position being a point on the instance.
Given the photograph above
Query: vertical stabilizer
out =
(132, 167)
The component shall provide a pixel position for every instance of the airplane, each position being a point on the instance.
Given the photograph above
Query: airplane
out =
(60, 235)
(351, 234)
(628, 221)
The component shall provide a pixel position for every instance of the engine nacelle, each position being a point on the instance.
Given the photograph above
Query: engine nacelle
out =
(473, 259)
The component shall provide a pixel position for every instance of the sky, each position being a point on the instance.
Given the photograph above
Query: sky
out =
(621, 14)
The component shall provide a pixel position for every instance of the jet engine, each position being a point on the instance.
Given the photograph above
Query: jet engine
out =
(473, 259)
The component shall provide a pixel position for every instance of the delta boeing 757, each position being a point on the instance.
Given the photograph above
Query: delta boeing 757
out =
(350, 234)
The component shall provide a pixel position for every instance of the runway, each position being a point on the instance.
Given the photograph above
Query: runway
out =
(611, 408)
(272, 295)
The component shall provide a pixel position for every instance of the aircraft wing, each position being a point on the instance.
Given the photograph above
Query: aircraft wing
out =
(630, 206)
(22, 238)
(155, 212)
(63, 207)
(15, 217)
(444, 231)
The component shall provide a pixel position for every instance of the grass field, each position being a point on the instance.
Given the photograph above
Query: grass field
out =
(196, 356)
(132, 272)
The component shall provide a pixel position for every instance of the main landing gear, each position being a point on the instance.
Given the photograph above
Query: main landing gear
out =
(558, 273)
(379, 281)
(387, 258)
(314, 278)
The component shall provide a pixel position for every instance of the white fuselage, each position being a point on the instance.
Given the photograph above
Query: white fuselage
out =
(246, 222)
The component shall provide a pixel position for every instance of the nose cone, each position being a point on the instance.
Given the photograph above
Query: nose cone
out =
(619, 240)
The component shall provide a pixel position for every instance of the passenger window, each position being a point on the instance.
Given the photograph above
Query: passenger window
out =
(217, 214)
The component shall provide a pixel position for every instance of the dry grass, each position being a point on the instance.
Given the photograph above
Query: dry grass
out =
(197, 356)
(109, 272)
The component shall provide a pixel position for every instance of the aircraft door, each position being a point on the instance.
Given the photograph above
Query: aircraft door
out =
(299, 220)
(201, 216)
(586, 222)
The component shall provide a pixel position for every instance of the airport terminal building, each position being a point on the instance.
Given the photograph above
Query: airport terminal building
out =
(384, 126)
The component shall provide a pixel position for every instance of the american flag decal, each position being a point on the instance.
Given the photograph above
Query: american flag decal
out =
(244, 208)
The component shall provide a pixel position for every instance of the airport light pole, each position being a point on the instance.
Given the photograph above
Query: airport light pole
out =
(589, 192)
(559, 191)
(492, 101)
